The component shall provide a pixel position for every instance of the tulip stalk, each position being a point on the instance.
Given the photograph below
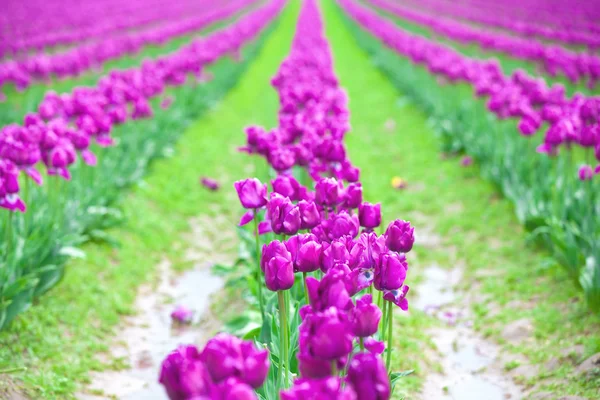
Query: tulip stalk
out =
(258, 270)
(305, 287)
(390, 336)
(284, 340)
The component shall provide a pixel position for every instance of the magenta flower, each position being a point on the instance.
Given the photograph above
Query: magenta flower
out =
(184, 375)
(586, 173)
(252, 193)
(466, 161)
(353, 196)
(210, 183)
(306, 252)
(369, 215)
(329, 291)
(277, 264)
(390, 271)
(328, 191)
(288, 186)
(400, 236)
(397, 296)
(182, 314)
(365, 317)
(368, 377)
(319, 389)
(284, 216)
(309, 214)
(326, 335)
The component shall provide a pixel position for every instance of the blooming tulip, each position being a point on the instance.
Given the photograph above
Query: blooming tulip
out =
(399, 236)
(365, 317)
(252, 193)
(390, 271)
(368, 377)
(276, 263)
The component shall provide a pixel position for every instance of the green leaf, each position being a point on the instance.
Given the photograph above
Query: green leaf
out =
(72, 252)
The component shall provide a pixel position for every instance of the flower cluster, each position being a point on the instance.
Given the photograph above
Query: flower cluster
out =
(66, 125)
(571, 121)
(576, 66)
(226, 369)
(79, 59)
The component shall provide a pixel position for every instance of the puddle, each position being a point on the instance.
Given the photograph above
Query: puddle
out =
(150, 335)
(471, 366)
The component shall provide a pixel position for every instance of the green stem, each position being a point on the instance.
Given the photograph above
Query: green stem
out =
(390, 336)
(305, 287)
(258, 270)
(283, 360)
(9, 233)
(334, 370)
(383, 331)
(361, 342)
(26, 199)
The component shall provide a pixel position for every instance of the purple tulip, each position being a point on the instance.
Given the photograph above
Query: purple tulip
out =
(353, 196)
(329, 292)
(210, 183)
(466, 161)
(309, 257)
(327, 192)
(231, 389)
(586, 173)
(390, 271)
(309, 214)
(369, 215)
(184, 375)
(287, 186)
(329, 388)
(399, 236)
(333, 253)
(374, 346)
(398, 297)
(365, 317)
(252, 193)
(314, 368)
(368, 377)
(277, 264)
(182, 314)
(326, 335)
(285, 216)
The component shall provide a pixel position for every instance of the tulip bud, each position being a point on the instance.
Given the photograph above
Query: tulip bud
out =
(399, 236)
(369, 215)
(365, 317)
(390, 271)
(368, 377)
(276, 262)
(252, 193)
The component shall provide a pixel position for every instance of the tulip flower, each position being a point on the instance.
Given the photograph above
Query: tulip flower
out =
(353, 196)
(329, 292)
(586, 173)
(326, 335)
(365, 317)
(184, 375)
(210, 183)
(252, 193)
(309, 214)
(182, 315)
(369, 215)
(278, 266)
(399, 236)
(284, 216)
(398, 297)
(368, 377)
(316, 389)
(327, 192)
(390, 271)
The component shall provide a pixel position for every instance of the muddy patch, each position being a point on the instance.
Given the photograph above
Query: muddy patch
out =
(144, 339)
(472, 367)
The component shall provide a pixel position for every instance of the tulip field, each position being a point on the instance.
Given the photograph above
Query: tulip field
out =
(300, 199)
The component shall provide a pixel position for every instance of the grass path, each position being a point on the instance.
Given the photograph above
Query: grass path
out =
(58, 340)
(515, 284)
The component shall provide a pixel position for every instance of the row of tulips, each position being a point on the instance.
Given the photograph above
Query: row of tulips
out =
(77, 60)
(64, 23)
(66, 125)
(558, 209)
(570, 122)
(326, 280)
(554, 59)
(131, 105)
(535, 18)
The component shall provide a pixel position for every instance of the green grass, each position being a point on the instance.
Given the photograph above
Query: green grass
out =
(477, 226)
(59, 339)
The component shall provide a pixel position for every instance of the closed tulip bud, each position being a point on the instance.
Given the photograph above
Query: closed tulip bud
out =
(287, 186)
(353, 196)
(309, 256)
(309, 214)
(327, 191)
(368, 377)
(252, 193)
(276, 262)
(365, 317)
(390, 271)
(369, 215)
(400, 236)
